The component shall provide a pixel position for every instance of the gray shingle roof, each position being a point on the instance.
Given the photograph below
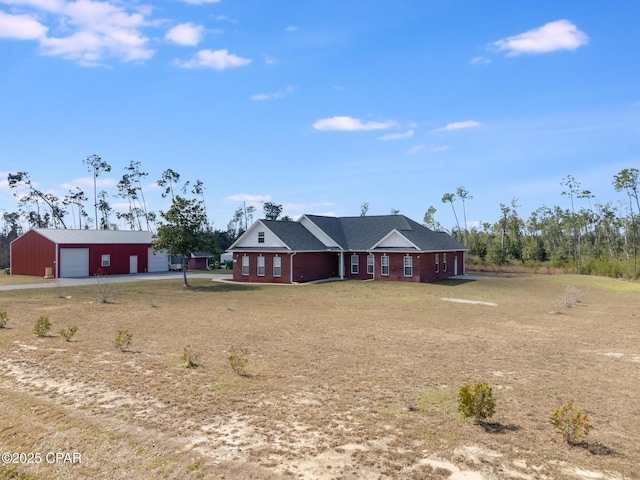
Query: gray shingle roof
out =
(362, 233)
(66, 236)
(294, 235)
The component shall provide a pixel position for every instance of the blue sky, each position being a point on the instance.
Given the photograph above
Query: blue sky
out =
(323, 105)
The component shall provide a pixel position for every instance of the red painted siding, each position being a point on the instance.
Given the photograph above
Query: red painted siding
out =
(197, 264)
(31, 254)
(119, 253)
(316, 266)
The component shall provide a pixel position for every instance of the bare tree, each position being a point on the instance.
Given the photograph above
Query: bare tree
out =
(96, 165)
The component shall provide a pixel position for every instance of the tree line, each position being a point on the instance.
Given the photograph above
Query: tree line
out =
(39, 209)
(587, 238)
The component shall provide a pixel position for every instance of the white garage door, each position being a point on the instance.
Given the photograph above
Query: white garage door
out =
(74, 262)
(157, 262)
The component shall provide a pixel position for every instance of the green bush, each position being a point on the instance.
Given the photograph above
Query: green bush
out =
(476, 400)
(42, 327)
(123, 339)
(69, 332)
(570, 422)
(3, 319)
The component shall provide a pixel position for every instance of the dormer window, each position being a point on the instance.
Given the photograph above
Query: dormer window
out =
(260, 237)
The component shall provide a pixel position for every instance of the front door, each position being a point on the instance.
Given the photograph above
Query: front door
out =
(133, 264)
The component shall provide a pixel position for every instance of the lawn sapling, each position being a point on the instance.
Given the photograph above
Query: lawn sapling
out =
(123, 340)
(42, 326)
(476, 400)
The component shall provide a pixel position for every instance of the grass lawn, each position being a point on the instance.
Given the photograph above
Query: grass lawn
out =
(346, 380)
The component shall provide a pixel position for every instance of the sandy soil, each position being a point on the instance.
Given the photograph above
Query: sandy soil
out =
(345, 380)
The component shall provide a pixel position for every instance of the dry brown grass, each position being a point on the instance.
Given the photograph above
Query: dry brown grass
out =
(345, 380)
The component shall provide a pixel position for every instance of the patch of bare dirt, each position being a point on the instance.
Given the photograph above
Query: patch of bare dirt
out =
(346, 380)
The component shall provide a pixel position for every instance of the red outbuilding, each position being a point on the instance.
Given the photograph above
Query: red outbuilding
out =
(81, 253)
(387, 247)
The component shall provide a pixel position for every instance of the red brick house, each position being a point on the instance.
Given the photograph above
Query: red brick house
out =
(81, 253)
(389, 247)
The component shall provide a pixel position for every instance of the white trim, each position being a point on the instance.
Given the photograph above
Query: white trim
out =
(393, 233)
(405, 266)
(317, 232)
(382, 265)
(356, 257)
(246, 236)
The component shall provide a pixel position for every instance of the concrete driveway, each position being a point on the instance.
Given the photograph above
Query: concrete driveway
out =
(73, 282)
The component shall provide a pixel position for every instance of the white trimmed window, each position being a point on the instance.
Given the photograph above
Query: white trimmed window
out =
(277, 266)
(261, 266)
(105, 261)
(260, 237)
(384, 265)
(354, 264)
(370, 264)
(408, 266)
(245, 265)
(437, 262)
(444, 262)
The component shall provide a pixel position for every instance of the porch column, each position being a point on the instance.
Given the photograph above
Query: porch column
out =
(341, 266)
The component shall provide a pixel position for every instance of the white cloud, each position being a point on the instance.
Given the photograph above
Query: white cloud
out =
(269, 60)
(87, 183)
(216, 59)
(439, 148)
(397, 136)
(89, 30)
(558, 35)
(243, 197)
(480, 61)
(416, 149)
(200, 2)
(459, 126)
(350, 124)
(272, 96)
(291, 28)
(21, 27)
(186, 34)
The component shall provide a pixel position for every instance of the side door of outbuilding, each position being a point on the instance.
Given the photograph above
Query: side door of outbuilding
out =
(74, 262)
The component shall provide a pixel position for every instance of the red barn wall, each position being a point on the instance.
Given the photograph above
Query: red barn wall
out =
(31, 254)
(120, 254)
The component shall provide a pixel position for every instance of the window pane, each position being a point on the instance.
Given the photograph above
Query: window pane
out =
(370, 263)
(261, 266)
(354, 264)
(277, 263)
(245, 265)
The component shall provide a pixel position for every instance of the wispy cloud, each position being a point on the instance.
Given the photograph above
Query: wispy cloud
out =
(416, 149)
(274, 95)
(94, 30)
(244, 197)
(200, 2)
(558, 35)
(397, 136)
(291, 28)
(480, 61)
(439, 148)
(186, 34)
(216, 59)
(459, 126)
(87, 182)
(350, 124)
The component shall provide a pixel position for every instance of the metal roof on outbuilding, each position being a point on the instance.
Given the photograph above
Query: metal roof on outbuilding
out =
(77, 236)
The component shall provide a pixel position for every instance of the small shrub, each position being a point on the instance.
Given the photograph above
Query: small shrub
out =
(569, 297)
(69, 332)
(104, 289)
(239, 360)
(42, 327)
(476, 400)
(3, 319)
(189, 358)
(572, 424)
(123, 339)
